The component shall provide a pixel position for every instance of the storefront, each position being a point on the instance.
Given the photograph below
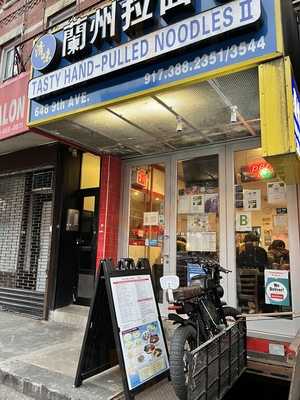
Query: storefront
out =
(26, 205)
(197, 101)
(43, 182)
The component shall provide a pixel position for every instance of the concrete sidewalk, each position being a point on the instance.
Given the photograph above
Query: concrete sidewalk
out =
(39, 359)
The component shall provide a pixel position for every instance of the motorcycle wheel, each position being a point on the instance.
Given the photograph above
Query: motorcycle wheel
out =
(184, 340)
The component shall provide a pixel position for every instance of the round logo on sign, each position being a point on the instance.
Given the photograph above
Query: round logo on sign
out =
(276, 291)
(44, 52)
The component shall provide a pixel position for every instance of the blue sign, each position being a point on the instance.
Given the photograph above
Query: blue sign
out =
(44, 52)
(153, 243)
(195, 60)
(296, 99)
(193, 270)
(193, 30)
(277, 287)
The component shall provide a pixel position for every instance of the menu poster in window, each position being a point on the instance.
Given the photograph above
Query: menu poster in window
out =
(252, 199)
(197, 204)
(183, 204)
(202, 241)
(276, 192)
(151, 218)
(197, 223)
(280, 223)
(141, 337)
(211, 203)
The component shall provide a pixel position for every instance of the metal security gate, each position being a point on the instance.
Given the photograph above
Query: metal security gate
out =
(26, 208)
(217, 364)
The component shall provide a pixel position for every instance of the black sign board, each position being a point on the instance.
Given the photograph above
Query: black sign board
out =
(124, 304)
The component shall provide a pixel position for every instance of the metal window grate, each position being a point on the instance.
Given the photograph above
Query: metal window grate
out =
(42, 181)
(26, 210)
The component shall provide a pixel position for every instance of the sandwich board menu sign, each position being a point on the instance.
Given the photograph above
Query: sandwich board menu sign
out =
(141, 337)
(136, 325)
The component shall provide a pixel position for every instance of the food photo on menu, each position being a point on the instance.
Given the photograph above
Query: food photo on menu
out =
(144, 353)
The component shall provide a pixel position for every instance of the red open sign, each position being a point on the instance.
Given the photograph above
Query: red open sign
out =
(141, 178)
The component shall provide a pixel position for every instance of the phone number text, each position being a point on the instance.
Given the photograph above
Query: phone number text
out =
(222, 56)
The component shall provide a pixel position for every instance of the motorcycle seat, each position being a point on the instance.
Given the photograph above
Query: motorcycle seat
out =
(187, 293)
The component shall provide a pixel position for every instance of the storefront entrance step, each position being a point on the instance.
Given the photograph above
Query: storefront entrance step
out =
(39, 359)
(72, 315)
(41, 384)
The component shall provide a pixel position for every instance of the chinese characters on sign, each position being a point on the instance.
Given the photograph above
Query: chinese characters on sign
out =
(135, 12)
(82, 32)
(166, 5)
(75, 37)
(104, 23)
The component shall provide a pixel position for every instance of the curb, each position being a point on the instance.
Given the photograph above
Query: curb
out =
(39, 391)
(29, 388)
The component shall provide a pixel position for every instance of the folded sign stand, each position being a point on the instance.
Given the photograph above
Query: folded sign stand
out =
(124, 303)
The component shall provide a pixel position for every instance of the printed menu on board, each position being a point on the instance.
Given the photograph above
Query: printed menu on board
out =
(141, 337)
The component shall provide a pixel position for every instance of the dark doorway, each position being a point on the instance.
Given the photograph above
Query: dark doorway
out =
(78, 227)
(85, 246)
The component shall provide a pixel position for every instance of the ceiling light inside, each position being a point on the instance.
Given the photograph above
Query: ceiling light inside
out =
(233, 115)
(179, 124)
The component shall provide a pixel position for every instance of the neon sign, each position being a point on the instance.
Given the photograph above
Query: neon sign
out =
(256, 171)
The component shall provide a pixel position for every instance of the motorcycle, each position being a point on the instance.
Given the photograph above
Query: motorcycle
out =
(200, 315)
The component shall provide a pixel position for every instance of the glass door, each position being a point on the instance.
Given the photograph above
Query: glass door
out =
(148, 232)
(198, 224)
(174, 210)
(86, 244)
(198, 211)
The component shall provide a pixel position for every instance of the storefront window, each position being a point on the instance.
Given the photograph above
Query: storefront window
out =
(90, 171)
(147, 217)
(262, 242)
(197, 214)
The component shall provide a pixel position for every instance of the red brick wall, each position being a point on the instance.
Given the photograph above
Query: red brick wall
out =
(110, 192)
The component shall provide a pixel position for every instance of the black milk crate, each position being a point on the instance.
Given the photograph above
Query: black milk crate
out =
(218, 363)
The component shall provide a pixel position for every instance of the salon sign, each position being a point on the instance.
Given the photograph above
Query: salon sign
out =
(277, 287)
(83, 34)
(13, 106)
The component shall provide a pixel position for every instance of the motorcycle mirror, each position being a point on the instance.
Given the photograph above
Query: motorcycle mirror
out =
(169, 282)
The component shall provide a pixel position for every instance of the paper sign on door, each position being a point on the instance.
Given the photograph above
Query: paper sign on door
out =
(243, 222)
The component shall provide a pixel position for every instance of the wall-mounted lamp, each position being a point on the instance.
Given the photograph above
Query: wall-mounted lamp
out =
(73, 152)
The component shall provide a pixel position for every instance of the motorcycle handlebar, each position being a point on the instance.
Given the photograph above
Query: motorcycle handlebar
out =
(225, 270)
(217, 266)
(211, 264)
